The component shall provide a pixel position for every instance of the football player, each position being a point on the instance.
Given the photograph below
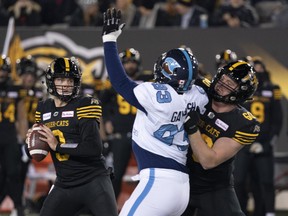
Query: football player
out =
(13, 123)
(222, 130)
(158, 138)
(70, 125)
(116, 111)
(28, 71)
(257, 161)
(224, 57)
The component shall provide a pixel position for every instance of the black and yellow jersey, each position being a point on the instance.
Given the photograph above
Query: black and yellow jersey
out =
(266, 107)
(78, 159)
(10, 95)
(31, 99)
(118, 111)
(239, 125)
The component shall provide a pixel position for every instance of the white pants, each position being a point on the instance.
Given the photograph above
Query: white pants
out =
(160, 192)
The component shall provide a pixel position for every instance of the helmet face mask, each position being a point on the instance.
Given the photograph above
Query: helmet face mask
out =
(178, 68)
(245, 83)
(64, 68)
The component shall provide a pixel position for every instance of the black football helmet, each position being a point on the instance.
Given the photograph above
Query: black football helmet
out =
(5, 65)
(243, 74)
(178, 68)
(225, 57)
(27, 65)
(65, 68)
(131, 55)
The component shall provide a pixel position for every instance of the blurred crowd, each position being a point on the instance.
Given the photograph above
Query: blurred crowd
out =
(148, 13)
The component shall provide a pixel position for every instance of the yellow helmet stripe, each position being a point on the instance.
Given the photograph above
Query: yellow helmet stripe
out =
(236, 65)
(226, 56)
(128, 53)
(67, 65)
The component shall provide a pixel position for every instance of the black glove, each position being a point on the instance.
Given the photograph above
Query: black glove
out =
(111, 26)
(191, 121)
(106, 147)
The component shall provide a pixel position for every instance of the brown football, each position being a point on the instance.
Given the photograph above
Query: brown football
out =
(38, 148)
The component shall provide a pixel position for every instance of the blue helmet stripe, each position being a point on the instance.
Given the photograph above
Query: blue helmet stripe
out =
(190, 69)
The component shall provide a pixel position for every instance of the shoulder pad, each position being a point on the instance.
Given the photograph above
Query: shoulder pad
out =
(89, 107)
(248, 128)
(204, 83)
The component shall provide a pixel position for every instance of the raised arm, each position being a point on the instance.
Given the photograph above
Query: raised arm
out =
(118, 77)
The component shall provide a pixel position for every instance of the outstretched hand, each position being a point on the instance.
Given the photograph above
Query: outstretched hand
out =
(111, 26)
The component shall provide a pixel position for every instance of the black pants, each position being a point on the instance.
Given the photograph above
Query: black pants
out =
(10, 180)
(221, 202)
(121, 148)
(256, 170)
(97, 196)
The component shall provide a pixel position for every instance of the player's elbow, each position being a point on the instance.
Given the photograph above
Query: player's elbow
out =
(208, 164)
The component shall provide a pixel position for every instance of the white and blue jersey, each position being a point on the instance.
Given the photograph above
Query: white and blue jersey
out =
(159, 140)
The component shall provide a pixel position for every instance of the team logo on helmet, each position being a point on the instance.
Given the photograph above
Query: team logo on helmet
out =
(169, 66)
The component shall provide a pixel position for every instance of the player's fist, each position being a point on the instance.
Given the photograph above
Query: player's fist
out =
(190, 124)
(111, 26)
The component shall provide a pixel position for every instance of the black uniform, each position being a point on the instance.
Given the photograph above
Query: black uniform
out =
(266, 106)
(211, 191)
(10, 183)
(31, 99)
(82, 178)
(122, 116)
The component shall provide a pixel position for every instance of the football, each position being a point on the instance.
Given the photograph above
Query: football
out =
(38, 148)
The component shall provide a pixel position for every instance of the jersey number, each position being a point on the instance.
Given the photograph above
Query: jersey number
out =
(61, 138)
(9, 113)
(258, 110)
(124, 107)
(166, 135)
(31, 107)
(162, 95)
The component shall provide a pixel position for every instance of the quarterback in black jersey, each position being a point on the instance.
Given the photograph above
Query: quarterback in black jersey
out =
(256, 163)
(222, 130)
(70, 125)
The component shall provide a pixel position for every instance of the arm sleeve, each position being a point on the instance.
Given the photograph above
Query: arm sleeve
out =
(90, 144)
(247, 134)
(120, 81)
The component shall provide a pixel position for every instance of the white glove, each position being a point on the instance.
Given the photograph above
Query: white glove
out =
(24, 156)
(256, 148)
